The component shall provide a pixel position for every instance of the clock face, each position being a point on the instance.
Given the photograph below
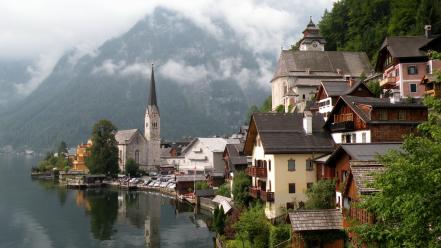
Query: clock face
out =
(314, 43)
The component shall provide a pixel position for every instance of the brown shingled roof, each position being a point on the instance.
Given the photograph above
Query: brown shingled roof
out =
(352, 63)
(315, 220)
(363, 173)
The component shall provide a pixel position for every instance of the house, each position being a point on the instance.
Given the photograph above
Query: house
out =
(298, 73)
(308, 225)
(81, 153)
(367, 119)
(431, 84)
(283, 147)
(204, 156)
(351, 163)
(186, 183)
(404, 61)
(172, 156)
(234, 160)
(330, 91)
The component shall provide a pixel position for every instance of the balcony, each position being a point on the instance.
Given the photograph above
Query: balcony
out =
(256, 171)
(257, 193)
(342, 126)
(254, 192)
(388, 82)
(266, 196)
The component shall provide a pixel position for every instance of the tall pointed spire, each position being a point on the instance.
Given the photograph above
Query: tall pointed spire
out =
(152, 98)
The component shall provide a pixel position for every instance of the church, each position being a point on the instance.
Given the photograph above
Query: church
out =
(143, 148)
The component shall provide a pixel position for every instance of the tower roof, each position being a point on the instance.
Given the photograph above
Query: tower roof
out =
(152, 98)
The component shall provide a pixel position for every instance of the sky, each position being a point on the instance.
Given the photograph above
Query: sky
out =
(41, 31)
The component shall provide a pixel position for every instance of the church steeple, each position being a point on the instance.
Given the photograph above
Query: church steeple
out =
(312, 39)
(152, 98)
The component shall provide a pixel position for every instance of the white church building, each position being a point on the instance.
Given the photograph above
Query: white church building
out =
(144, 149)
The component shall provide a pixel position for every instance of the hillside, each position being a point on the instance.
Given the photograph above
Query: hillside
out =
(204, 84)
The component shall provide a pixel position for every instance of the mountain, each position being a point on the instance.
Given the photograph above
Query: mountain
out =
(205, 84)
(13, 73)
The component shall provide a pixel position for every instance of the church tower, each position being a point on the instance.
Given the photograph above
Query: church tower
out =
(312, 39)
(152, 126)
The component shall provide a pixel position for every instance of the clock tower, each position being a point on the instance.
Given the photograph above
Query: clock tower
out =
(152, 124)
(312, 40)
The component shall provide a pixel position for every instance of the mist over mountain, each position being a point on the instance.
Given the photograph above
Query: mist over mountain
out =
(13, 74)
(205, 83)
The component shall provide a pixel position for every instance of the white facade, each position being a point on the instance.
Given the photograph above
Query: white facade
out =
(363, 136)
(152, 134)
(132, 145)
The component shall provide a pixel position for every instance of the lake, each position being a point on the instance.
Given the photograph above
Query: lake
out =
(40, 214)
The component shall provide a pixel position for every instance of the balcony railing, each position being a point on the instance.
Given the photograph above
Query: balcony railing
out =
(254, 192)
(256, 171)
(342, 126)
(267, 196)
(388, 82)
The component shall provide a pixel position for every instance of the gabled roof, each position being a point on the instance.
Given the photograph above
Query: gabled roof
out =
(363, 175)
(283, 133)
(234, 154)
(328, 62)
(124, 137)
(363, 151)
(341, 88)
(354, 103)
(316, 220)
(212, 144)
(204, 192)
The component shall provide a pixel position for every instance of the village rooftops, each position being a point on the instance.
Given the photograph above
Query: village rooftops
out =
(364, 173)
(340, 88)
(363, 151)
(190, 178)
(283, 133)
(234, 154)
(316, 220)
(331, 64)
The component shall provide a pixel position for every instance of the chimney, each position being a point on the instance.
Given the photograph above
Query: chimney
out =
(307, 122)
(339, 71)
(427, 30)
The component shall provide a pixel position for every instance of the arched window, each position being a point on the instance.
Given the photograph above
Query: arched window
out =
(137, 156)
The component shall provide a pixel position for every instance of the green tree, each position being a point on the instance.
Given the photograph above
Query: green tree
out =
(407, 206)
(266, 105)
(279, 234)
(253, 225)
(224, 190)
(219, 218)
(202, 185)
(132, 168)
(62, 149)
(280, 109)
(104, 151)
(374, 87)
(321, 195)
(241, 183)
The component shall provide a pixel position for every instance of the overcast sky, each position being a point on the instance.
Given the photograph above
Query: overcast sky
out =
(41, 30)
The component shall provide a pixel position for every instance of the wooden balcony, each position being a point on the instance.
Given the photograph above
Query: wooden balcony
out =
(267, 196)
(388, 82)
(342, 126)
(256, 171)
(254, 192)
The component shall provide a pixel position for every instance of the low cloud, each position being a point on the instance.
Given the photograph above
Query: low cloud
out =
(182, 73)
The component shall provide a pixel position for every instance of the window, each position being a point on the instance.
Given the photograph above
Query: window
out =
(412, 70)
(309, 165)
(428, 68)
(292, 188)
(382, 114)
(137, 156)
(363, 137)
(397, 72)
(309, 185)
(402, 115)
(291, 165)
(413, 88)
(269, 165)
(289, 205)
(354, 138)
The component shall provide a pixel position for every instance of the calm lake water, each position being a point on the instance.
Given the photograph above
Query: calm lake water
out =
(39, 214)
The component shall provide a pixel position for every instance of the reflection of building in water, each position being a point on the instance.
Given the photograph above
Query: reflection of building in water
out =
(152, 222)
(81, 200)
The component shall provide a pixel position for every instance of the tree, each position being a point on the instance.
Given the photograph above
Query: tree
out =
(241, 184)
(280, 109)
(321, 195)
(224, 190)
(104, 151)
(407, 206)
(374, 87)
(62, 149)
(202, 185)
(253, 225)
(132, 168)
(278, 234)
(219, 218)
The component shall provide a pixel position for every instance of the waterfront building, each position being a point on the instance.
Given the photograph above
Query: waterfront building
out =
(81, 153)
(357, 119)
(283, 148)
(145, 150)
(404, 61)
(298, 73)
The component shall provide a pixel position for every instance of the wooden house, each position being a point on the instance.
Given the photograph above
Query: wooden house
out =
(367, 119)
